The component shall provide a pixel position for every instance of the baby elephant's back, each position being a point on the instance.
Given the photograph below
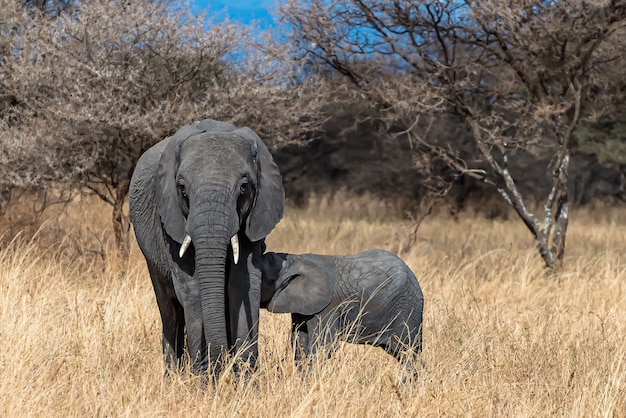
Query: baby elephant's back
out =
(375, 268)
(387, 286)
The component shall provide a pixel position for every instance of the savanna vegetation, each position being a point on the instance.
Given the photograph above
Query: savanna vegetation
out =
(502, 337)
(524, 98)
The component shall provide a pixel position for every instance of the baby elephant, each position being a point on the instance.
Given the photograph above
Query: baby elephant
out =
(369, 298)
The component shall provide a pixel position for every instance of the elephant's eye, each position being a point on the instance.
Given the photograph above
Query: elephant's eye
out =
(184, 199)
(182, 188)
(243, 187)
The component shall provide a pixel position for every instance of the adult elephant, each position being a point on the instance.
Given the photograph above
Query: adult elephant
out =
(201, 202)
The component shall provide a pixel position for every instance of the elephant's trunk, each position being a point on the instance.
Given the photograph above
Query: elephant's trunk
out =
(211, 237)
(210, 273)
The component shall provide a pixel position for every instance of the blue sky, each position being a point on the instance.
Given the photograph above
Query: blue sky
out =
(244, 11)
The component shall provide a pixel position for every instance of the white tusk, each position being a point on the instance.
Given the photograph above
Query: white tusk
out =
(234, 242)
(184, 246)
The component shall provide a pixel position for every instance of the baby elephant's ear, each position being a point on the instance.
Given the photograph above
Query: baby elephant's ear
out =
(305, 291)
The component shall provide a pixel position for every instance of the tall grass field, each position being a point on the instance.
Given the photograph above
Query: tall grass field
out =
(80, 329)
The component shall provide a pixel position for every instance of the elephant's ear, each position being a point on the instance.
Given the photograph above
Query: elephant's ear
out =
(165, 192)
(270, 200)
(303, 288)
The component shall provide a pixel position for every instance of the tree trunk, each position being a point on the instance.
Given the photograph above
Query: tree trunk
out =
(550, 242)
(120, 219)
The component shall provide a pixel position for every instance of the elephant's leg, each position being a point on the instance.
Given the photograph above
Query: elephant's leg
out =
(320, 336)
(406, 348)
(196, 341)
(299, 337)
(172, 318)
(398, 349)
(325, 336)
(303, 340)
(188, 294)
(412, 364)
(244, 300)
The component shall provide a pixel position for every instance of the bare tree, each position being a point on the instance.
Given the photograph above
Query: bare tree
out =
(97, 86)
(517, 72)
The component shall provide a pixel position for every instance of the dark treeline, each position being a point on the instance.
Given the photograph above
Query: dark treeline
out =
(359, 158)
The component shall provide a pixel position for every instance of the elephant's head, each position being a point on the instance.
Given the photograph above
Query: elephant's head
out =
(215, 185)
(294, 284)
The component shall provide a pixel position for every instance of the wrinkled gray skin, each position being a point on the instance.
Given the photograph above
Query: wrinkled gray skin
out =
(371, 298)
(210, 181)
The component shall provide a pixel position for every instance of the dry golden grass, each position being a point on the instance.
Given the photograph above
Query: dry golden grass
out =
(80, 332)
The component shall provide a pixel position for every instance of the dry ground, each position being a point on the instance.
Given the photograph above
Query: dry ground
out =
(79, 327)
